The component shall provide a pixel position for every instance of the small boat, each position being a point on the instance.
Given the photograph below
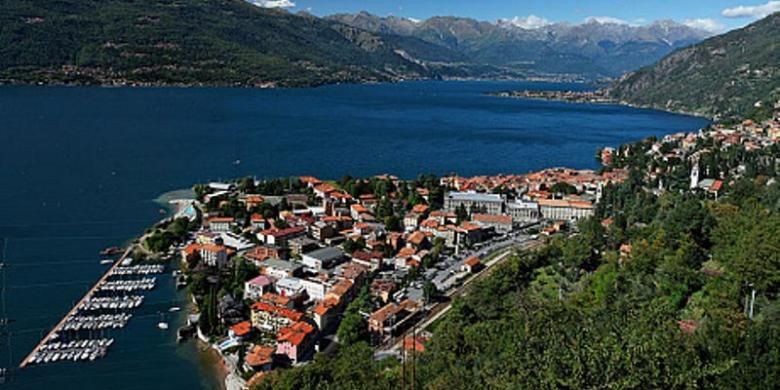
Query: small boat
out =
(111, 251)
(106, 261)
(163, 212)
(174, 309)
(237, 162)
(163, 325)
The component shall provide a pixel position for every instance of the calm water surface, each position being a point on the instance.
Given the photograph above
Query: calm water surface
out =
(80, 168)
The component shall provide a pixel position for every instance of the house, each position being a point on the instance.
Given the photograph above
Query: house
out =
(471, 265)
(258, 222)
(252, 200)
(357, 209)
(259, 358)
(290, 287)
(354, 272)
(323, 258)
(372, 260)
(190, 253)
(271, 318)
(418, 240)
(275, 236)
(321, 230)
(257, 287)
(310, 181)
(279, 268)
(341, 291)
(501, 223)
(277, 300)
(315, 288)
(383, 289)
(221, 224)
(296, 341)
(326, 312)
(391, 317)
(259, 254)
(411, 221)
(240, 331)
(214, 255)
(300, 245)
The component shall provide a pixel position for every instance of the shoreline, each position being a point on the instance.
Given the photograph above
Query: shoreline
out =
(606, 102)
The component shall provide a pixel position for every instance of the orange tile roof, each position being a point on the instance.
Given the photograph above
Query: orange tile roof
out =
(242, 328)
(416, 238)
(472, 261)
(309, 180)
(406, 252)
(296, 333)
(275, 299)
(489, 218)
(259, 355)
(420, 208)
(192, 248)
(324, 306)
(278, 311)
(221, 219)
(214, 248)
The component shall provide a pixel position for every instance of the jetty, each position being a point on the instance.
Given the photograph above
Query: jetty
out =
(82, 316)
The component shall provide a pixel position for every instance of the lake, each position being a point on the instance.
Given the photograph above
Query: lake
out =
(81, 167)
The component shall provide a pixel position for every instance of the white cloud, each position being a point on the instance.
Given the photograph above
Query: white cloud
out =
(752, 11)
(605, 20)
(708, 25)
(273, 3)
(529, 22)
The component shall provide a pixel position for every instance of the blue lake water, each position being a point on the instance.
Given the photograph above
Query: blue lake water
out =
(80, 169)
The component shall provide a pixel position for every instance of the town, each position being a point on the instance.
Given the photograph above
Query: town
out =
(279, 270)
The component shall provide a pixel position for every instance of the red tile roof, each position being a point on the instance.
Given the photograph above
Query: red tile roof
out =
(295, 334)
(242, 328)
(278, 311)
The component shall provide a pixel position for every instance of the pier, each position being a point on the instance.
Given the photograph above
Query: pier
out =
(81, 316)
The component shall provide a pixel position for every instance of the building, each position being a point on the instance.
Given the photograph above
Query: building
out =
(372, 260)
(221, 224)
(475, 202)
(257, 287)
(300, 245)
(565, 210)
(323, 258)
(279, 268)
(391, 317)
(271, 318)
(501, 223)
(523, 211)
(383, 289)
(321, 231)
(472, 264)
(315, 288)
(290, 287)
(325, 313)
(262, 253)
(280, 237)
(259, 358)
(296, 341)
(214, 255)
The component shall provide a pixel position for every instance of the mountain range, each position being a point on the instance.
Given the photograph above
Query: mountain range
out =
(592, 49)
(734, 74)
(232, 42)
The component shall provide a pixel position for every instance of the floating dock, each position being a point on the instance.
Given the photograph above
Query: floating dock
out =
(75, 319)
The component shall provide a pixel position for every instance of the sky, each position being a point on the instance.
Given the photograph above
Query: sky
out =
(713, 15)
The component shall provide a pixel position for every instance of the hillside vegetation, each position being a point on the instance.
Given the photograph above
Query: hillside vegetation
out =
(213, 42)
(725, 75)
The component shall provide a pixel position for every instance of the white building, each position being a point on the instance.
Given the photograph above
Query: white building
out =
(566, 210)
(475, 202)
(322, 258)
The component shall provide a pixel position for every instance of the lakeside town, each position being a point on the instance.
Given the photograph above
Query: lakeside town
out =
(592, 97)
(280, 270)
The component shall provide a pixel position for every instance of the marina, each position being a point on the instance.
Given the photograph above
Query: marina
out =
(103, 308)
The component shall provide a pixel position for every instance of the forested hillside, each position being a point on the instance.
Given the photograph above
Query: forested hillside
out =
(726, 75)
(212, 42)
(658, 291)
